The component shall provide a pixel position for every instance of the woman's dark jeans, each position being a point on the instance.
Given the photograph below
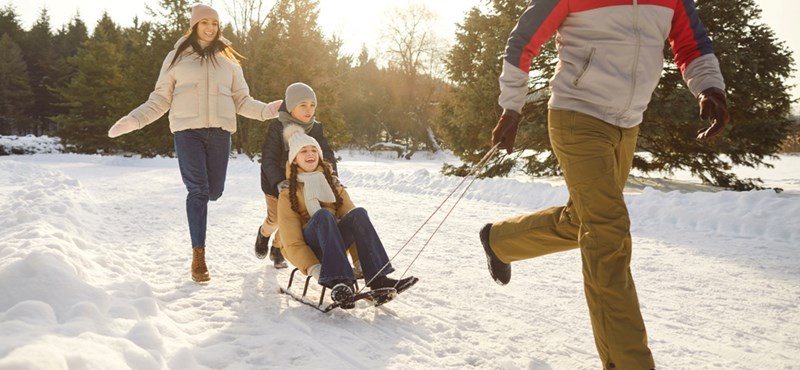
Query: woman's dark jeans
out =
(203, 161)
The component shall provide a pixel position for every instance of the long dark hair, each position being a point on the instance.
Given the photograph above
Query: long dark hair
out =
(327, 169)
(210, 52)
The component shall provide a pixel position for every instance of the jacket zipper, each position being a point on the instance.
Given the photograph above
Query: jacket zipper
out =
(208, 94)
(638, 36)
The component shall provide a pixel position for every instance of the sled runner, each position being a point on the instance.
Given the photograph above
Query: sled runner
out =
(378, 296)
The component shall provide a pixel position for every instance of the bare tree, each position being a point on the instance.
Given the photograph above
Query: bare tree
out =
(414, 52)
(247, 15)
(411, 43)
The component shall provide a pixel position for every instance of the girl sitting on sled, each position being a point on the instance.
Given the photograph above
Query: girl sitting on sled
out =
(319, 223)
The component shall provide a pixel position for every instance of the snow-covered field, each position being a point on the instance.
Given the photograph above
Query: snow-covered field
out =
(94, 274)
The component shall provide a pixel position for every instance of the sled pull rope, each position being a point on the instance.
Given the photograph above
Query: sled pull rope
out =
(471, 173)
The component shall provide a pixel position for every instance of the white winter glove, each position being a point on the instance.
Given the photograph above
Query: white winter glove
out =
(123, 126)
(314, 271)
(272, 109)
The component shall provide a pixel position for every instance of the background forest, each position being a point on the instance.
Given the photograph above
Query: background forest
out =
(417, 93)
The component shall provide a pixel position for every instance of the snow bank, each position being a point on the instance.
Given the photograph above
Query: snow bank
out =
(94, 273)
(29, 145)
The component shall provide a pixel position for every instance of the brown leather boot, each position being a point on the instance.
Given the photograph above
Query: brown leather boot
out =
(199, 269)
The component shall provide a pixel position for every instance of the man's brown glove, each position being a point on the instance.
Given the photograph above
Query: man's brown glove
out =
(506, 130)
(714, 108)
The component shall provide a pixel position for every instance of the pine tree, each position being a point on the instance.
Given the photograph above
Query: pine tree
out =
(173, 17)
(96, 97)
(471, 110)
(42, 62)
(364, 101)
(9, 23)
(755, 66)
(15, 89)
(66, 43)
(292, 48)
(144, 50)
(68, 40)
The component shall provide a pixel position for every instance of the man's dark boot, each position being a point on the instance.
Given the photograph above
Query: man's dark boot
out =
(501, 272)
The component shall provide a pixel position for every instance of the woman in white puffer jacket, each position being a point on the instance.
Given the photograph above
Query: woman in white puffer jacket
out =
(202, 86)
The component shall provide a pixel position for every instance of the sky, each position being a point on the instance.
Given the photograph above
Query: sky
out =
(347, 18)
(95, 255)
(350, 18)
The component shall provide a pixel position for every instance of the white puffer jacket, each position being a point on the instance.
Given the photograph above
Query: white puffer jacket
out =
(201, 94)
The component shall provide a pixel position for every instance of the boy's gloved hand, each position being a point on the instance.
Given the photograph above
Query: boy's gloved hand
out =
(123, 126)
(505, 132)
(282, 185)
(713, 107)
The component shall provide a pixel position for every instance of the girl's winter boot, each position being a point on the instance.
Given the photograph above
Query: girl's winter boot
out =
(342, 293)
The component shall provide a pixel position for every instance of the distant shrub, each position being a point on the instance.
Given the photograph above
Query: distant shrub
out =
(792, 142)
(20, 145)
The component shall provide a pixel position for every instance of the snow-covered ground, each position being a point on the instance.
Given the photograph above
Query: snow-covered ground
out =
(94, 274)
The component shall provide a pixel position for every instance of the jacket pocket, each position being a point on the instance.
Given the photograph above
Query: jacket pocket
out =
(185, 101)
(585, 68)
(226, 108)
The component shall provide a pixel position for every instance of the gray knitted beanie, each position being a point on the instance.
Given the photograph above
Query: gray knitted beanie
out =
(298, 92)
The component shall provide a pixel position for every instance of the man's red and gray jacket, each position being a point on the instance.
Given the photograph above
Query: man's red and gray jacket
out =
(610, 54)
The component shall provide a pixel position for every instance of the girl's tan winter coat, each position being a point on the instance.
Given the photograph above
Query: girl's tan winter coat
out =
(290, 225)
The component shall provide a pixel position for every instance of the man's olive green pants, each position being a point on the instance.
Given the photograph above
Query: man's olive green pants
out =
(596, 158)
